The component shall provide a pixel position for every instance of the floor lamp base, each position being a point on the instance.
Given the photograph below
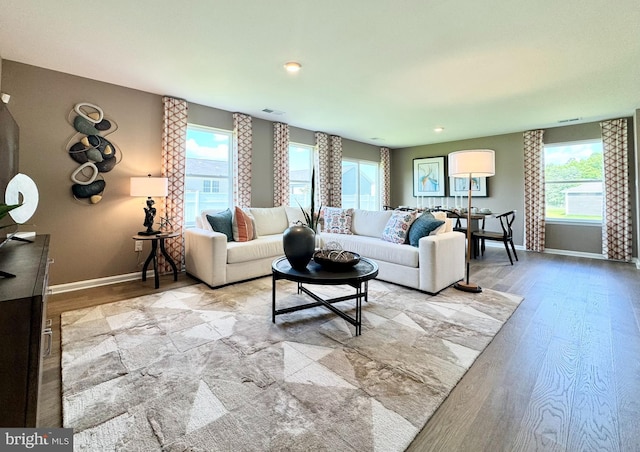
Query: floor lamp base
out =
(467, 287)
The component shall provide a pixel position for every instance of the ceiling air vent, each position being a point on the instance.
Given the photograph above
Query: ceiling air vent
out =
(273, 112)
(562, 121)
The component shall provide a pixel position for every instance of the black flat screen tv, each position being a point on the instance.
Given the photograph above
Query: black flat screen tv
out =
(9, 140)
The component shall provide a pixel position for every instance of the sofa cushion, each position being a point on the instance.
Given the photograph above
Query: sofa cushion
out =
(222, 222)
(370, 222)
(294, 215)
(269, 220)
(448, 223)
(376, 248)
(242, 226)
(269, 246)
(337, 220)
(424, 225)
(397, 228)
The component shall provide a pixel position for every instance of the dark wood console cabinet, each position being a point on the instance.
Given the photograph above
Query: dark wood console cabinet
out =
(22, 329)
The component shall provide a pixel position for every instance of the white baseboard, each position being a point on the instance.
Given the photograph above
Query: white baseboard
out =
(575, 253)
(89, 283)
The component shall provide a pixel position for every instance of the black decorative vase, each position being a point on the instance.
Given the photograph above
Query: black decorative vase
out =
(299, 244)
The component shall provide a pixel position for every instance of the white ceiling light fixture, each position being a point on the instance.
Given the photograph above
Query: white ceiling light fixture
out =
(292, 66)
(438, 129)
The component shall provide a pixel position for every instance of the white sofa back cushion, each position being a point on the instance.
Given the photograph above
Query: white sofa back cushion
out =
(446, 227)
(294, 214)
(370, 223)
(270, 220)
(201, 220)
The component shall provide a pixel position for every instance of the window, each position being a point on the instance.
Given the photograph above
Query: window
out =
(573, 181)
(300, 167)
(210, 186)
(208, 176)
(360, 182)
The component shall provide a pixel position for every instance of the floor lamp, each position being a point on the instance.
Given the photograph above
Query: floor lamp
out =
(470, 164)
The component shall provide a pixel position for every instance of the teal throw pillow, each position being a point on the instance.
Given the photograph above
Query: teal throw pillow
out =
(222, 222)
(424, 225)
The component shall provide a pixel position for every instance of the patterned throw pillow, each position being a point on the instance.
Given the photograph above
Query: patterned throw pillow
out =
(397, 228)
(242, 226)
(424, 225)
(221, 222)
(337, 220)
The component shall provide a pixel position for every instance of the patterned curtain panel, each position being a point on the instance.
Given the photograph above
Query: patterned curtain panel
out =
(385, 166)
(323, 171)
(616, 230)
(280, 164)
(242, 150)
(534, 190)
(174, 147)
(336, 172)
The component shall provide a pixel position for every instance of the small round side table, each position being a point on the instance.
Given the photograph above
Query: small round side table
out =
(154, 252)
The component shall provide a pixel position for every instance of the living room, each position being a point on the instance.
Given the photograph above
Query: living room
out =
(91, 243)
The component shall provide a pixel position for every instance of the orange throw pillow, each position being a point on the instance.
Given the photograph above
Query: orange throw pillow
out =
(242, 226)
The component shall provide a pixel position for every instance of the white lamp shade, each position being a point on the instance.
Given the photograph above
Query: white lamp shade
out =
(149, 186)
(474, 163)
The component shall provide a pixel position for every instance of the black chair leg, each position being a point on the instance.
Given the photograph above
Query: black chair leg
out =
(506, 247)
(514, 250)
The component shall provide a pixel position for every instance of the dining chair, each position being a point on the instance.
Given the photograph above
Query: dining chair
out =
(505, 236)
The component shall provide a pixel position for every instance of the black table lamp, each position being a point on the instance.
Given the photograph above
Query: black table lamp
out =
(470, 164)
(149, 187)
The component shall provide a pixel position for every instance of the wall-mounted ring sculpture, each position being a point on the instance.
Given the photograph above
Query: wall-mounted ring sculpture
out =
(22, 186)
(89, 147)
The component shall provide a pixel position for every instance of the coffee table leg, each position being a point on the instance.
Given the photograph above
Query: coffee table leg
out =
(273, 298)
(359, 310)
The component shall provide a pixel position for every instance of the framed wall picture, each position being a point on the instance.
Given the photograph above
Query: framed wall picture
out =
(429, 176)
(459, 186)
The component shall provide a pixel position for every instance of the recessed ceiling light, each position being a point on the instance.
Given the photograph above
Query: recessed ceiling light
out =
(292, 66)
(438, 129)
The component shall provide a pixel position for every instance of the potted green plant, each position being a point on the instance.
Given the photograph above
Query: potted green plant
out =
(311, 217)
(4, 211)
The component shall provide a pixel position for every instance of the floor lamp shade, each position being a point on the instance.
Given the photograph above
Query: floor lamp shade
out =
(150, 187)
(474, 163)
(470, 164)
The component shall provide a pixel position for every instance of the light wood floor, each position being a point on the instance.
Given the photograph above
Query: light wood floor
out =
(563, 374)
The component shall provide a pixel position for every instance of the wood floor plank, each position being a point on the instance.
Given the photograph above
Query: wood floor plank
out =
(562, 374)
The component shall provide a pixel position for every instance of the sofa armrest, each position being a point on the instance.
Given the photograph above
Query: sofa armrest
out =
(442, 260)
(206, 255)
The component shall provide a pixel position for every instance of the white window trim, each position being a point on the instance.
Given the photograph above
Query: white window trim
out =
(378, 182)
(573, 221)
(312, 159)
(230, 134)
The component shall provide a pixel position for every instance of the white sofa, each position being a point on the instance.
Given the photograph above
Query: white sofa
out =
(435, 264)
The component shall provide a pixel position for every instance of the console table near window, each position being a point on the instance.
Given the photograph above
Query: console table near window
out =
(153, 255)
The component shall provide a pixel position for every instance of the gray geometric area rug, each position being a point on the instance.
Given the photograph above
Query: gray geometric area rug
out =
(203, 369)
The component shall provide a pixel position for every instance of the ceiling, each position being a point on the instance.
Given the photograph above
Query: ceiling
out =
(380, 72)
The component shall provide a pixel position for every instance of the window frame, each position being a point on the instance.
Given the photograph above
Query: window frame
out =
(358, 162)
(190, 222)
(312, 153)
(571, 221)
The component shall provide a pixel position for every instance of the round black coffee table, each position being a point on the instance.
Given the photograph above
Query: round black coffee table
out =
(357, 277)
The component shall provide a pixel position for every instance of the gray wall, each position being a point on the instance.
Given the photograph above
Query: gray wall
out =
(94, 241)
(506, 188)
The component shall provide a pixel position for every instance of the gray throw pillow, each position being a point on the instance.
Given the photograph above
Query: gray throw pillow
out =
(222, 222)
(424, 225)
